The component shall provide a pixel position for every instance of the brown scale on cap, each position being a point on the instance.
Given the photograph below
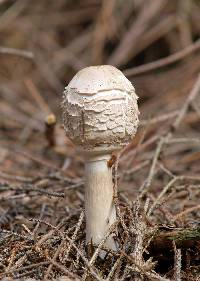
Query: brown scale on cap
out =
(100, 108)
(100, 115)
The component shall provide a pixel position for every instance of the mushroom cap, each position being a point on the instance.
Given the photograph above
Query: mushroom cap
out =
(94, 79)
(100, 110)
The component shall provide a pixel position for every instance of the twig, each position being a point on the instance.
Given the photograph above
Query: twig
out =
(123, 52)
(163, 62)
(153, 166)
(162, 193)
(14, 177)
(33, 189)
(37, 96)
(168, 186)
(160, 118)
(27, 267)
(95, 255)
(62, 268)
(115, 195)
(16, 234)
(177, 263)
(185, 212)
(50, 124)
(143, 271)
(195, 91)
(78, 225)
(92, 272)
(53, 261)
(113, 269)
(34, 232)
(16, 52)
(165, 139)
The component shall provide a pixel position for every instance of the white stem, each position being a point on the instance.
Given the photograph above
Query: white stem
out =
(99, 206)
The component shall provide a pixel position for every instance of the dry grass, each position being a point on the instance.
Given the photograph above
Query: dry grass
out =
(42, 222)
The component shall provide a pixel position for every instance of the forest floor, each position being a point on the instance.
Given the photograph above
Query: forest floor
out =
(42, 223)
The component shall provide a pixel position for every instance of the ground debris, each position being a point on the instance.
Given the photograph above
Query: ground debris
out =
(42, 221)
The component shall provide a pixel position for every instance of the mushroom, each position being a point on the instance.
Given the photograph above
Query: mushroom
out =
(100, 115)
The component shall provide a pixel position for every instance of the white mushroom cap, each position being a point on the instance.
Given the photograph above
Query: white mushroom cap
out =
(100, 109)
(94, 79)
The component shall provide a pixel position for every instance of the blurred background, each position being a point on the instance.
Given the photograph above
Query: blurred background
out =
(44, 43)
(156, 43)
(61, 37)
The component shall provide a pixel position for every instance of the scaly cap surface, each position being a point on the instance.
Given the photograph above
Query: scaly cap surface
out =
(100, 109)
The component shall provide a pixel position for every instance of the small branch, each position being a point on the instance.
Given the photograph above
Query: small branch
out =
(163, 62)
(15, 52)
(185, 212)
(50, 124)
(195, 91)
(184, 238)
(177, 264)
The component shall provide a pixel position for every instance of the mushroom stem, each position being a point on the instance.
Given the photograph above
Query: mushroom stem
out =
(99, 206)
(100, 115)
